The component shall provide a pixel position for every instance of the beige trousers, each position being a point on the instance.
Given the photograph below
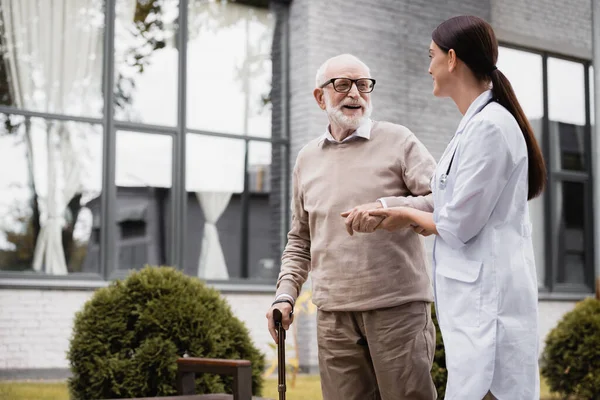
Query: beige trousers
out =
(383, 354)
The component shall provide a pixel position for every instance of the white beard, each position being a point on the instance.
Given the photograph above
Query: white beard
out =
(336, 114)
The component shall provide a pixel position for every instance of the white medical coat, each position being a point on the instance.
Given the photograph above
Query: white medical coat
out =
(485, 281)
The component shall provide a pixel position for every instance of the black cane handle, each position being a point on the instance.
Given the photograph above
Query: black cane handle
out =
(278, 319)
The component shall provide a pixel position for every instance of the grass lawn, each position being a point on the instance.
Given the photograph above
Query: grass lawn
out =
(307, 388)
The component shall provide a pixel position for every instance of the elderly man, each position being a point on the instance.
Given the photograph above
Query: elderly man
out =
(375, 335)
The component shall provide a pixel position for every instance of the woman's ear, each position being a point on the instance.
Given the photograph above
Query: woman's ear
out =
(452, 60)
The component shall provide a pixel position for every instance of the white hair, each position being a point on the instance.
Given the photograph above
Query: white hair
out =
(320, 78)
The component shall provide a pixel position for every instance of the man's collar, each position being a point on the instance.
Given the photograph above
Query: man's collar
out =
(363, 131)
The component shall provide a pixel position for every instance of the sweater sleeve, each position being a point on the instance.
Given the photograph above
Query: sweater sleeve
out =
(295, 262)
(417, 168)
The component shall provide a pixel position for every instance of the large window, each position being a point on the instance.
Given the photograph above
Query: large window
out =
(556, 95)
(165, 150)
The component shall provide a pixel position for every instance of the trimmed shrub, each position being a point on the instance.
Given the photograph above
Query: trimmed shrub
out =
(439, 373)
(571, 357)
(128, 336)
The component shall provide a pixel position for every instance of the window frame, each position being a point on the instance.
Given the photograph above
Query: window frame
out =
(178, 213)
(551, 288)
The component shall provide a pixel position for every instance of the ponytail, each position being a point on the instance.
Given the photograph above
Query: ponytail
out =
(505, 95)
(474, 42)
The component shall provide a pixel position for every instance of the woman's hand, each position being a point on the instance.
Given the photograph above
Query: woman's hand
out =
(421, 231)
(359, 220)
(393, 218)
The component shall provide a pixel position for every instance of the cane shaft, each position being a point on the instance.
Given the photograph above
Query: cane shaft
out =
(281, 350)
(281, 386)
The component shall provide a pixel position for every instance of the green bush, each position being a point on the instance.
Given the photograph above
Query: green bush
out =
(439, 372)
(128, 336)
(571, 357)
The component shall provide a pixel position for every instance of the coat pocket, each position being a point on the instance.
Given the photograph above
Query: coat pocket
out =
(458, 291)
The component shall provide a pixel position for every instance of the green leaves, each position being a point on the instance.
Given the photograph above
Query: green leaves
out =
(128, 336)
(571, 358)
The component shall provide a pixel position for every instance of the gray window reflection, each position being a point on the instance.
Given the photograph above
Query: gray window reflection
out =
(267, 209)
(229, 67)
(592, 109)
(570, 228)
(146, 60)
(566, 108)
(214, 184)
(144, 180)
(46, 201)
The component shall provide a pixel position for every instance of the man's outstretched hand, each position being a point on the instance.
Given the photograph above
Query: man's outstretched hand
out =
(359, 220)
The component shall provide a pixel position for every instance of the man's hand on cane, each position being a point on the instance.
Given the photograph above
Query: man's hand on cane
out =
(287, 318)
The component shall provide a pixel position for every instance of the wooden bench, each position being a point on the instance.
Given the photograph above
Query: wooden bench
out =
(188, 367)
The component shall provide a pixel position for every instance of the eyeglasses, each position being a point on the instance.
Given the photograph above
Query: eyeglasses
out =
(344, 85)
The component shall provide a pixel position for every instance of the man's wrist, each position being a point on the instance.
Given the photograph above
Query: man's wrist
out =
(285, 296)
(284, 300)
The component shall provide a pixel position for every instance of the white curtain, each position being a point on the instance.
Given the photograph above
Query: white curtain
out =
(48, 249)
(53, 59)
(212, 261)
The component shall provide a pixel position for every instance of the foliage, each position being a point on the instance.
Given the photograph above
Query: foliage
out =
(571, 357)
(128, 336)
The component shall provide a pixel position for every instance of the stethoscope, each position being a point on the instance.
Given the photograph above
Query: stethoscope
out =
(444, 177)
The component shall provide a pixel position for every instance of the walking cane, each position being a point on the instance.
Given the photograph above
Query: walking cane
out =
(277, 317)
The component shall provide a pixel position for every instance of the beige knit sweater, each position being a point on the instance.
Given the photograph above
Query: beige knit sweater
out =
(365, 271)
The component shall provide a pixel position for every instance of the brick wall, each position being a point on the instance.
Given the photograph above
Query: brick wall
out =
(35, 327)
(553, 25)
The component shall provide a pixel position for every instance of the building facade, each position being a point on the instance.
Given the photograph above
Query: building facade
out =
(164, 132)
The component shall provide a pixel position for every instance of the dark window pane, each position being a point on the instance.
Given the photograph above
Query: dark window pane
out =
(571, 142)
(146, 61)
(52, 185)
(143, 179)
(133, 229)
(566, 108)
(266, 190)
(592, 109)
(51, 56)
(214, 182)
(572, 235)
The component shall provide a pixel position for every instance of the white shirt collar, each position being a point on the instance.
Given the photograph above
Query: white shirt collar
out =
(474, 108)
(363, 131)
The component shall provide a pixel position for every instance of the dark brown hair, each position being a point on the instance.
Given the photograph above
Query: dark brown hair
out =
(474, 42)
